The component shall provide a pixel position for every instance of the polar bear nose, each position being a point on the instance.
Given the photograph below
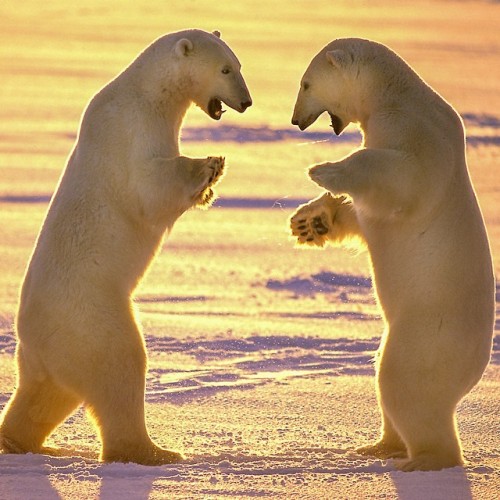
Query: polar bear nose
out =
(245, 105)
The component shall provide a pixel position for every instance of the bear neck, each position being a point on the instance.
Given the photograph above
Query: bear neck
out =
(167, 96)
(381, 88)
(151, 83)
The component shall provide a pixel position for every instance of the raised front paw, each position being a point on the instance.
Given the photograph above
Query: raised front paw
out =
(312, 223)
(215, 168)
(211, 170)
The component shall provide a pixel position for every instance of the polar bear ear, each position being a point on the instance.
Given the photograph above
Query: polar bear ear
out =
(183, 47)
(216, 33)
(338, 58)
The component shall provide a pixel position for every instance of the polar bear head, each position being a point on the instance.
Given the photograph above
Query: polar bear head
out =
(190, 66)
(343, 79)
(213, 72)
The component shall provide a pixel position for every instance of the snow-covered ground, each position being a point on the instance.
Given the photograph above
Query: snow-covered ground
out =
(260, 353)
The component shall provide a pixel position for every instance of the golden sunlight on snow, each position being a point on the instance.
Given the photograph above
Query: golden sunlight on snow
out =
(260, 355)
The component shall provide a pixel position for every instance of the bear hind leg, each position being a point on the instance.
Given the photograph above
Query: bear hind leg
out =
(432, 445)
(34, 411)
(121, 423)
(424, 417)
(117, 408)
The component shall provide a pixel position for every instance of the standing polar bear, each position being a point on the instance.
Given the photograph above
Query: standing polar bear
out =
(125, 184)
(410, 199)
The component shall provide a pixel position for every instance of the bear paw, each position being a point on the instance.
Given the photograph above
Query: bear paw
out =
(429, 461)
(162, 456)
(312, 223)
(152, 455)
(212, 169)
(383, 450)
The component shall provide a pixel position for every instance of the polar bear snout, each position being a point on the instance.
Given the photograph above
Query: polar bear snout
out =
(235, 95)
(305, 112)
(238, 100)
(303, 124)
(244, 105)
(215, 110)
(234, 92)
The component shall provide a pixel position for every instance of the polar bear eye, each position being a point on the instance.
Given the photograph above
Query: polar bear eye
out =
(226, 71)
(305, 85)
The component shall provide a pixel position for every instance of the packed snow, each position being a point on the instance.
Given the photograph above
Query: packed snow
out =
(260, 354)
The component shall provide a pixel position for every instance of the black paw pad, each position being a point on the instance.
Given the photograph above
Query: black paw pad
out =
(318, 226)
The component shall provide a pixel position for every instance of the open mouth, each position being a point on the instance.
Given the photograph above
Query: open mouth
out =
(215, 108)
(337, 124)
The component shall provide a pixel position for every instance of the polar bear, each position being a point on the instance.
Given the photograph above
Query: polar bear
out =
(124, 186)
(407, 194)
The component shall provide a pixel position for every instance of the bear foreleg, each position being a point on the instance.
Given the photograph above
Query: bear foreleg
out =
(383, 179)
(167, 187)
(196, 176)
(204, 173)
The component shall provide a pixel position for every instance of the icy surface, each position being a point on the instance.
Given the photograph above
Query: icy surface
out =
(260, 354)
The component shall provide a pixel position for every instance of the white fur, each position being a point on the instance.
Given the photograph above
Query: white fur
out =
(411, 201)
(125, 184)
